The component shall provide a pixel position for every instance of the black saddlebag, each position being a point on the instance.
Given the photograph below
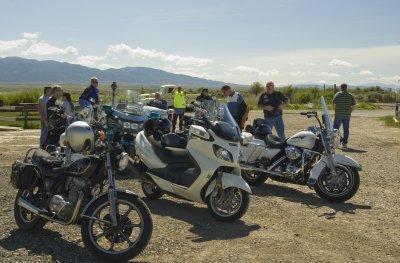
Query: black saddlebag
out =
(22, 175)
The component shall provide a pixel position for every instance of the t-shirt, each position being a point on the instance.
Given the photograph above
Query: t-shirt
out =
(274, 99)
(50, 103)
(43, 100)
(344, 102)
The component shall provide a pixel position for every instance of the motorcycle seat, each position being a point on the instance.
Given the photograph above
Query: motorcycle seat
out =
(167, 155)
(274, 141)
(47, 159)
(174, 141)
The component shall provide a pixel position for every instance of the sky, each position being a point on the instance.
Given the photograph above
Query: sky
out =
(285, 41)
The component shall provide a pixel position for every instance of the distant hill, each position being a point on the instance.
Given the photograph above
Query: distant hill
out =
(21, 70)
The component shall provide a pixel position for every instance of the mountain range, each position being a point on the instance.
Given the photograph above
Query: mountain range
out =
(21, 70)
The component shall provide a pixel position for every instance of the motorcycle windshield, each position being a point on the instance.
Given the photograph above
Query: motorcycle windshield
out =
(223, 124)
(127, 101)
(326, 116)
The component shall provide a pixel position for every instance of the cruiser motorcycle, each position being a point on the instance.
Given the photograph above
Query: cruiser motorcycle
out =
(116, 224)
(200, 166)
(306, 158)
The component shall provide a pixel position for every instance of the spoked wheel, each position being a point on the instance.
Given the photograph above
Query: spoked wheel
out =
(229, 204)
(254, 178)
(151, 190)
(123, 241)
(25, 219)
(338, 188)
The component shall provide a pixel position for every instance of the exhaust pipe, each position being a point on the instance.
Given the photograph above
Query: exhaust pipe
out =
(25, 203)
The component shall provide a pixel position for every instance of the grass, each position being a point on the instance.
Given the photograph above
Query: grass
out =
(389, 121)
(20, 124)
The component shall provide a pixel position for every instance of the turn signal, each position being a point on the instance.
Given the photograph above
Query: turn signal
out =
(102, 136)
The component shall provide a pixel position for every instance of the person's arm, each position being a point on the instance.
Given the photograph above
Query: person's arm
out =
(260, 105)
(164, 104)
(353, 103)
(42, 114)
(96, 95)
(285, 101)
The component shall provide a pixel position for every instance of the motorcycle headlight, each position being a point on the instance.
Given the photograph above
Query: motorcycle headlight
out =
(127, 125)
(222, 153)
(123, 161)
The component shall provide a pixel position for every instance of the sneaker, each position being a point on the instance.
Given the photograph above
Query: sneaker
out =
(344, 146)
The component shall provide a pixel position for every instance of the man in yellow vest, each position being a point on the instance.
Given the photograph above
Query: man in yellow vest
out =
(179, 107)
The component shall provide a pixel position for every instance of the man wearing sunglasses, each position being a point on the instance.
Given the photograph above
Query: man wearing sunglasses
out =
(90, 96)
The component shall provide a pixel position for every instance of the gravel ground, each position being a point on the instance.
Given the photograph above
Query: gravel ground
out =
(284, 223)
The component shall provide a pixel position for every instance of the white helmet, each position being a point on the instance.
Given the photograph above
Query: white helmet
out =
(80, 136)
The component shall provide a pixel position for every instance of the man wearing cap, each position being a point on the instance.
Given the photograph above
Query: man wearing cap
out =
(90, 96)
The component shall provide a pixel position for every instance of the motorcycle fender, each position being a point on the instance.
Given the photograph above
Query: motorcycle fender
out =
(120, 190)
(229, 180)
(320, 166)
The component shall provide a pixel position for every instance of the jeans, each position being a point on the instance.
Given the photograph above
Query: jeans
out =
(277, 122)
(346, 126)
(178, 113)
(43, 133)
(84, 104)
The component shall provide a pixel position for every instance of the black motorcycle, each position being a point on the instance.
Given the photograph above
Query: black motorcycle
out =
(116, 224)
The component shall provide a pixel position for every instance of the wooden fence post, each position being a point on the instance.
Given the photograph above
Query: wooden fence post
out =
(25, 116)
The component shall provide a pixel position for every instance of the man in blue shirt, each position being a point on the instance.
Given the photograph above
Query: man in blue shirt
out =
(90, 96)
(158, 102)
(236, 105)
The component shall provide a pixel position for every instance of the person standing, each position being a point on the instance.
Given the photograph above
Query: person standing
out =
(272, 102)
(343, 104)
(69, 108)
(236, 105)
(56, 95)
(90, 96)
(42, 109)
(179, 107)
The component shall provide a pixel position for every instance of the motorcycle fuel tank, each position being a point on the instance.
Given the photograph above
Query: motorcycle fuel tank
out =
(303, 139)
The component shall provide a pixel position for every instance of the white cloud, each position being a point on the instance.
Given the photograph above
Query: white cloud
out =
(309, 64)
(329, 74)
(89, 60)
(366, 72)
(154, 54)
(6, 46)
(250, 70)
(45, 49)
(194, 72)
(299, 73)
(341, 63)
(31, 35)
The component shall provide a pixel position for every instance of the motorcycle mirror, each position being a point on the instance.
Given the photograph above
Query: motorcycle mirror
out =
(310, 105)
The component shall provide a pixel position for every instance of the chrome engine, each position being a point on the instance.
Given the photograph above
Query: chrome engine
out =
(63, 204)
(293, 153)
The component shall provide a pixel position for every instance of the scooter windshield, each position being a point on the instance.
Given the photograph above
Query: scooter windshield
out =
(327, 118)
(222, 122)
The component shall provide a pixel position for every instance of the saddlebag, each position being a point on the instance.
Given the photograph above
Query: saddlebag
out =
(22, 175)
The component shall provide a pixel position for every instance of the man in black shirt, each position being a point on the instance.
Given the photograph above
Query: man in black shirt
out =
(56, 94)
(272, 102)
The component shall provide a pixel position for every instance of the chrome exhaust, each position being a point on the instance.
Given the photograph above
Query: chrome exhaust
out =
(25, 203)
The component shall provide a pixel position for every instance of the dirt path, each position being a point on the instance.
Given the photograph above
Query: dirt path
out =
(284, 223)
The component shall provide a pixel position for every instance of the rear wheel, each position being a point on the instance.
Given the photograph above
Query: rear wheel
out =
(254, 178)
(26, 220)
(229, 204)
(338, 188)
(151, 190)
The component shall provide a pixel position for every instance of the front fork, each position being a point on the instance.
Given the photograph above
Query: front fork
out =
(331, 162)
(111, 190)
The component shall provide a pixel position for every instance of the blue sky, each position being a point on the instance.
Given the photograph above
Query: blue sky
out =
(289, 42)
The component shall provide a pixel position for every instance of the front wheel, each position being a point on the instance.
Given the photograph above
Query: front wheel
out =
(254, 178)
(229, 204)
(123, 241)
(339, 188)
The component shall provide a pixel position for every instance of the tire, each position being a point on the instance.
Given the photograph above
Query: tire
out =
(215, 208)
(24, 219)
(151, 191)
(120, 234)
(254, 178)
(349, 179)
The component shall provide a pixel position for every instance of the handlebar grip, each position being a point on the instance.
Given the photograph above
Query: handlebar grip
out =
(303, 113)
